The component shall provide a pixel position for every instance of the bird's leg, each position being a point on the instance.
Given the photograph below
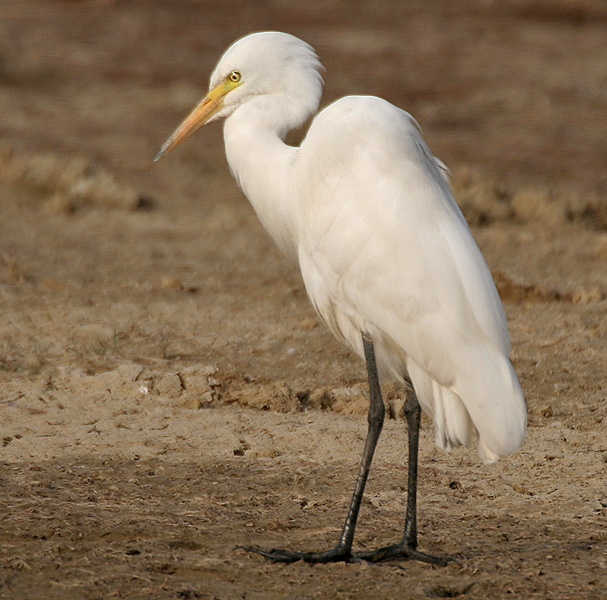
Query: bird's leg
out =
(375, 419)
(407, 547)
(412, 412)
(343, 550)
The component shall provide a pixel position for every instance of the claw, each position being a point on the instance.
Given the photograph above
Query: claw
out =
(289, 556)
(403, 552)
(396, 551)
(276, 555)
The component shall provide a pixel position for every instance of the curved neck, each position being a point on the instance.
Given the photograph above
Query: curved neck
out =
(262, 165)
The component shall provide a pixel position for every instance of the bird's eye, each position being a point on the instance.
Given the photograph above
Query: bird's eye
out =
(234, 76)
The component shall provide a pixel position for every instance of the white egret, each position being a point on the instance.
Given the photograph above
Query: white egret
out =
(387, 258)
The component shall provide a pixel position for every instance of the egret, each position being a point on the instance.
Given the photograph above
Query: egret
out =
(387, 258)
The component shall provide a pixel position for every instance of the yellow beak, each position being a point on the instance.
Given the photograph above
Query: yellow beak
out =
(209, 106)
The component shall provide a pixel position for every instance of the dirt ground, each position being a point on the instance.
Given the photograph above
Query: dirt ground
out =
(167, 392)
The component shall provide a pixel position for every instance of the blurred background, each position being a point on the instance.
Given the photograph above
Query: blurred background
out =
(167, 262)
(516, 86)
(133, 294)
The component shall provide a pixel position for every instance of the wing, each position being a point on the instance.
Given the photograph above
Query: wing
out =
(385, 248)
(382, 227)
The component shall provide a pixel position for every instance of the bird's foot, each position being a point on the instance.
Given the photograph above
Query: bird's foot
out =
(401, 551)
(289, 556)
(396, 551)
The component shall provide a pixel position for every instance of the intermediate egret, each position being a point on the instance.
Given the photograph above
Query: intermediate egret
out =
(386, 256)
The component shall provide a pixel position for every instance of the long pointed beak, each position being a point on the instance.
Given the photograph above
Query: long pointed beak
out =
(209, 106)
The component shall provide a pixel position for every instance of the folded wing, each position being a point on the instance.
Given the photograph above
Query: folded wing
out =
(385, 249)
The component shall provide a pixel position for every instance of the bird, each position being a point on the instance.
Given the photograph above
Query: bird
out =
(387, 258)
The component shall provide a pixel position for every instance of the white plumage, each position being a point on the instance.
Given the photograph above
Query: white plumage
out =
(383, 248)
(367, 212)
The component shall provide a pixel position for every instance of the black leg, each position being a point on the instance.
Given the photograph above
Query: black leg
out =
(413, 415)
(343, 550)
(407, 547)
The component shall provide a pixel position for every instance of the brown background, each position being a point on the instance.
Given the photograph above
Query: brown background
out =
(166, 390)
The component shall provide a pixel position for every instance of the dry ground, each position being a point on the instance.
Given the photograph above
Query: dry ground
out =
(167, 392)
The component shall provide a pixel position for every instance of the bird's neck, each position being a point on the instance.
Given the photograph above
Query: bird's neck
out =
(263, 164)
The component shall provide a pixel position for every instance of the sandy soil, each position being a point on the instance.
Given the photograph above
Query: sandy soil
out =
(167, 391)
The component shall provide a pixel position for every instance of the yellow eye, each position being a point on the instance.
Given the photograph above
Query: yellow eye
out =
(234, 76)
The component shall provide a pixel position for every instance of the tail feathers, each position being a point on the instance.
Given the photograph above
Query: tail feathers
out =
(495, 403)
(487, 456)
(452, 424)
(489, 400)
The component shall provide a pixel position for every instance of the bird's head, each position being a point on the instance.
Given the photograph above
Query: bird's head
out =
(264, 64)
